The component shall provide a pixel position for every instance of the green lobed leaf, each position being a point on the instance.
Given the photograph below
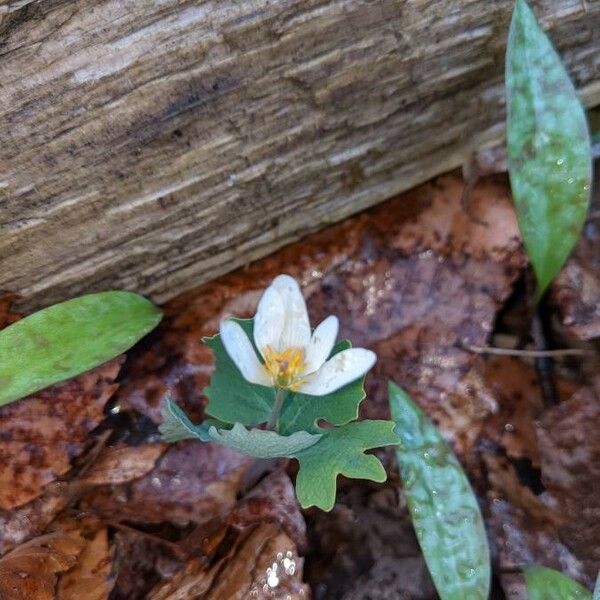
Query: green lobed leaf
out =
(234, 400)
(341, 451)
(549, 154)
(66, 339)
(547, 584)
(231, 398)
(263, 444)
(176, 425)
(443, 507)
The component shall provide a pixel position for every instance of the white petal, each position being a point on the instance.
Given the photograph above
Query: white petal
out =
(296, 327)
(338, 371)
(321, 344)
(269, 320)
(239, 347)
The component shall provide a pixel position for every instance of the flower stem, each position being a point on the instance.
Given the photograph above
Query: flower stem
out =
(280, 396)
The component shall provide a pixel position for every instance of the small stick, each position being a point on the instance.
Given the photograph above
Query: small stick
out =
(525, 353)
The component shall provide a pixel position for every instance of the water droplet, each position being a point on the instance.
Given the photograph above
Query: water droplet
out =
(509, 427)
(570, 180)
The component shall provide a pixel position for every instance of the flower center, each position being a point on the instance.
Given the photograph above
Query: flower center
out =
(285, 367)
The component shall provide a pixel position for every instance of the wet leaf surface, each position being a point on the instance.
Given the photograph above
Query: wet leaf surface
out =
(548, 143)
(443, 507)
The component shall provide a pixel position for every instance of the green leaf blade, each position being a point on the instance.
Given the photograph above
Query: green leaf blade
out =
(260, 443)
(176, 425)
(67, 339)
(444, 510)
(547, 584)
(341, 451)
(549, 149)
(232, 399)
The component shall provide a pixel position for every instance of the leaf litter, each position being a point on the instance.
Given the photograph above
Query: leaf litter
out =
(416, 279)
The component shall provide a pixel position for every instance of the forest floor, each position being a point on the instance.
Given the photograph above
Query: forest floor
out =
(425, 285)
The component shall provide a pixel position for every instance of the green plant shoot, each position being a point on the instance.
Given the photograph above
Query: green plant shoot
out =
(549, 151)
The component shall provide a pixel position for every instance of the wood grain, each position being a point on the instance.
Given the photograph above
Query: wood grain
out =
(155, 145)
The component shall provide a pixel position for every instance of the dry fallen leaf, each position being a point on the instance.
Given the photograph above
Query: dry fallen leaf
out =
(29, 572)
(42, 433)
(261, 563)
(120, 464)
(569, 441)
(90, 578)
(192, 481)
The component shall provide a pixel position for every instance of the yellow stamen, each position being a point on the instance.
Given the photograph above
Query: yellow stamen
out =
(286, 367)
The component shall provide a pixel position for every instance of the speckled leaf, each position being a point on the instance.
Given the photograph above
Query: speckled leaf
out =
(341, 451)
(444, 510)
(547, 584)
(232, 399)
(549, 154)
(66, 339)
(262, 444)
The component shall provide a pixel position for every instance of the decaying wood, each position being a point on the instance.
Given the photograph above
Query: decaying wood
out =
(154, 145)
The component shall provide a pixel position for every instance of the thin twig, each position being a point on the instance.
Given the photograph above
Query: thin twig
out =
(526, 353)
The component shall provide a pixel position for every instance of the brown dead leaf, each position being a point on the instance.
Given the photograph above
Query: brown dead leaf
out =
(576, 289)
(90, 578)
(192, 481)
(42, 433)
(272, 500)
(7, 316)
(29, 572)
(569, 440)
(366, 548)
(506, 485)
(517, 541)
(261, 563)
(120, 464)
(141, 562)
(31, 519)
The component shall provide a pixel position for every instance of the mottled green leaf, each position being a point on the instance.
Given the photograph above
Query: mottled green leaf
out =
(548, 584)
(66, 339)
(443, 508)
(234, 400)
(549, 153)
(341, 451)
(262, 444)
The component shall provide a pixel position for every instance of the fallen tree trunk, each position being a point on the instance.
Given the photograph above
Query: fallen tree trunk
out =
(155, 145)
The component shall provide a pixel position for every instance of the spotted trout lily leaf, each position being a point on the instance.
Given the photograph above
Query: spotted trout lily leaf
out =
(277, 383)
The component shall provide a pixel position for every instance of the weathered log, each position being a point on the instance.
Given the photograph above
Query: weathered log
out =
(155, 145)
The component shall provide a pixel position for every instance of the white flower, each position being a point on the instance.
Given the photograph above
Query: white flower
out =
(293, 357)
